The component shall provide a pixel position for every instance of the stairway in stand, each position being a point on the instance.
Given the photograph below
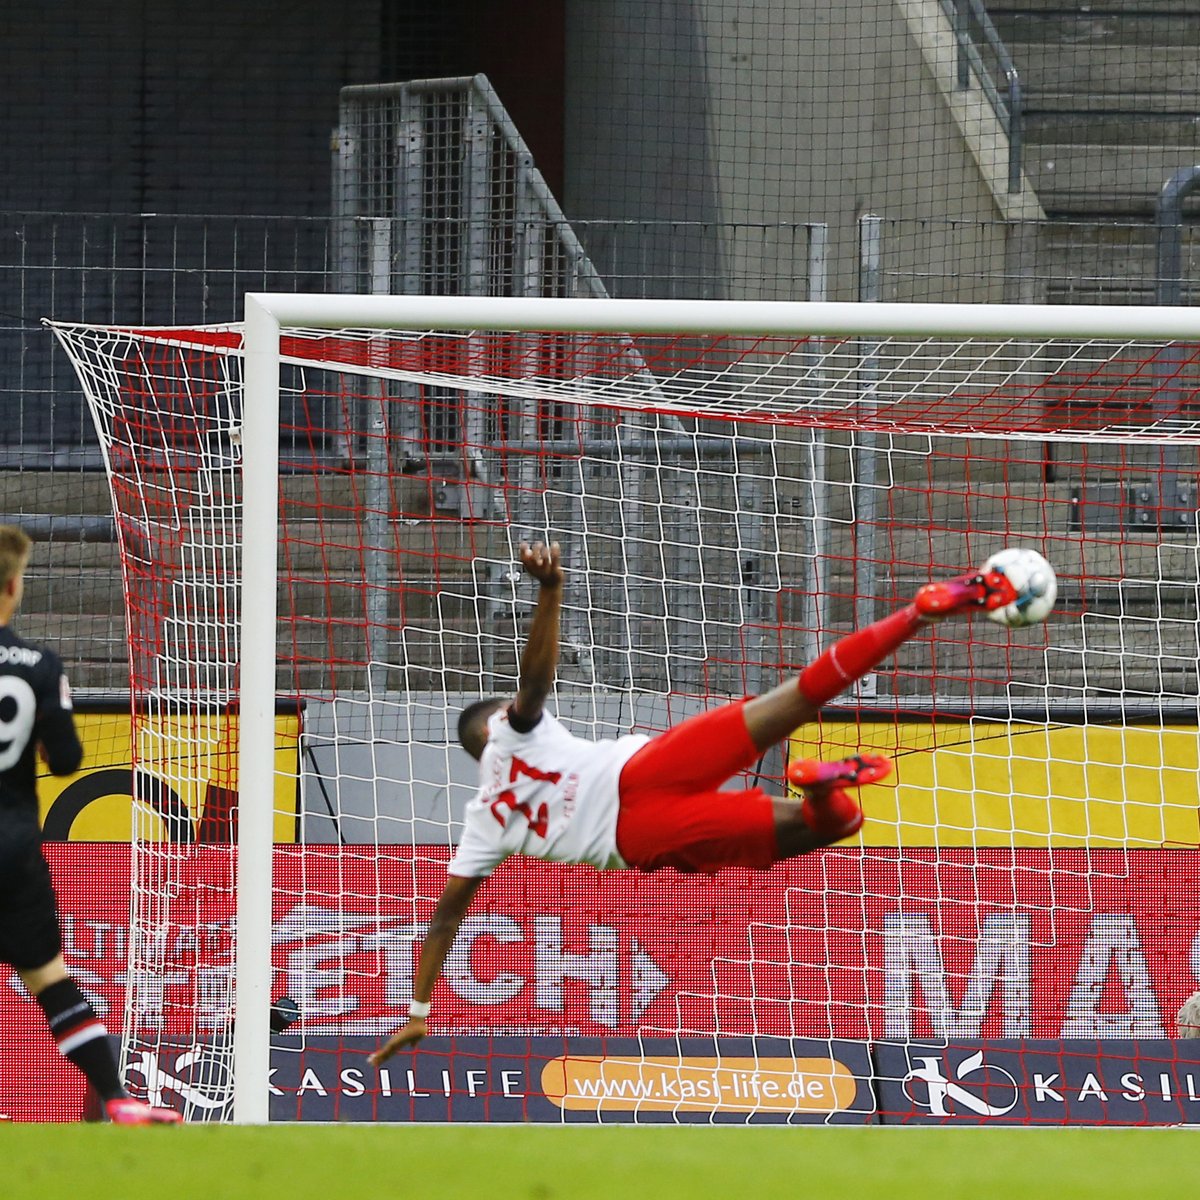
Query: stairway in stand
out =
(1112, 110)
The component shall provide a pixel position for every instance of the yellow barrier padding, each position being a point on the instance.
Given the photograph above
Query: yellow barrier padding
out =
(986, 782)
(189, 780)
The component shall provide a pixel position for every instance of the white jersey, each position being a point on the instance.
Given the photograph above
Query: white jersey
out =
(546, 794)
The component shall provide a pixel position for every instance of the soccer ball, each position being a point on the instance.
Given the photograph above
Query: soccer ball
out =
(1035, 581)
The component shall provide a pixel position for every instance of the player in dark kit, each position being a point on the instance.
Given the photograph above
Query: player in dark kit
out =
(35, 714)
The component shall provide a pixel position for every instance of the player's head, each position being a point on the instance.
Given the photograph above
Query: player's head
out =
(14, 554)
(472, 724)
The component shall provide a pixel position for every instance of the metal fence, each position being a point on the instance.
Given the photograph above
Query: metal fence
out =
(134, 269)
(158, 270)
(984, 61)
(436, 193)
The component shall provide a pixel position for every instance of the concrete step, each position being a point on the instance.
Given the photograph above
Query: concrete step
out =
(74, 591)
(1102, 128)
(1136, 573)
(956, 659)
(1125, 251)
(1106, 32)
(1125, 655)
(1081, 180)
(1091, 9)
(79, 639)
(1069, 690)
(1111, 264)
(1112, 95)
(984, 662)
(71, 492)
(969, 521)
(1108, 264)
(1103, 291)
(335, 547)
(1052, 99)
(65, 557)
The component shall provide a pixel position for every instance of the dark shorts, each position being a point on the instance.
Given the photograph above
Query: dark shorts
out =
(672, 812)
(29, 930)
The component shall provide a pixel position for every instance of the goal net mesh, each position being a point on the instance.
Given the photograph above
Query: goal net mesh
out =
(727, 505)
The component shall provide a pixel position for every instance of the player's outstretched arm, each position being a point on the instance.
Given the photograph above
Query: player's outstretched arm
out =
(443, 928)
(539, 660)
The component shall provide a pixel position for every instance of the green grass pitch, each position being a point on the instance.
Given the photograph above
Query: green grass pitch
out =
(299, 1162)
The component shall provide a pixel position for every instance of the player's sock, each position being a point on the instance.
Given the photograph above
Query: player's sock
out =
(81, 1036)
(851, 657)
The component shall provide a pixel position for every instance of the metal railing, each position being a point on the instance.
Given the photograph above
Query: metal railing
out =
(976, 35)
(435, 192)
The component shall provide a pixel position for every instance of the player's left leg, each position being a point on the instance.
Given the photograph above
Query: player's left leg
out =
(827, 813)
(82, 1039)
(31, 941)
(77, 1030)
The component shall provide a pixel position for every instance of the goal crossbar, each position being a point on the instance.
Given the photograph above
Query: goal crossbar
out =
(766, 317)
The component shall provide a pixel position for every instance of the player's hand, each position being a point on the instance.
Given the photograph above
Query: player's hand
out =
(402, 1039)
(543, 562)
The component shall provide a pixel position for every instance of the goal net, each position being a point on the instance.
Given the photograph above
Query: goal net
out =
(318, 517)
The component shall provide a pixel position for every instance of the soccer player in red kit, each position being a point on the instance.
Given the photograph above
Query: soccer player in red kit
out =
(651, 802)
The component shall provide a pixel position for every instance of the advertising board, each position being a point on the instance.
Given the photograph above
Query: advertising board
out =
(931, 948)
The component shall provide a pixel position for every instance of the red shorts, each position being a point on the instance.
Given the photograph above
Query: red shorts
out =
(672, 814)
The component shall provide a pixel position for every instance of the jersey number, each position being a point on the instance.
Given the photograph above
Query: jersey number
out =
(17, 727)
(539, 824)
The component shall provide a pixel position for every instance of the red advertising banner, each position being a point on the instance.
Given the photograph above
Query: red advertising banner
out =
(876, 944)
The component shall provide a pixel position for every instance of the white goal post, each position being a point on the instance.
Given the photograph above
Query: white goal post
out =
(821, 386)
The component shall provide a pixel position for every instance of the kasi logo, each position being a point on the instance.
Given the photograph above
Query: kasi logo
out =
(198, 1076)
(974, 1087)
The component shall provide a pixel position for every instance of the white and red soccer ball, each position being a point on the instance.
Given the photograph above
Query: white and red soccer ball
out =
(1035, 583)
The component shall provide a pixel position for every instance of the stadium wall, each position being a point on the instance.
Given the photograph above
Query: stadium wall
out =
(710, 112)
(226, 108)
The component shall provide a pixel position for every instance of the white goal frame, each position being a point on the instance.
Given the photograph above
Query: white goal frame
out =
(266, 314)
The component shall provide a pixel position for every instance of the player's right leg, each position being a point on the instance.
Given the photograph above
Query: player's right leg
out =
(798, 829)
(813, 776)
(706, 831)
(772, 717)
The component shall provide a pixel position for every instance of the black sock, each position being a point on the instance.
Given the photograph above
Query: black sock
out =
(81, 1036)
